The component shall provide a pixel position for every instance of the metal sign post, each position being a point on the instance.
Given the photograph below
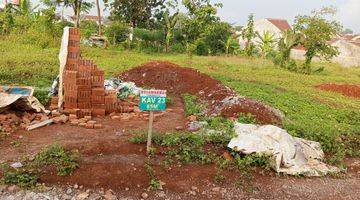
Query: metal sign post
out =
(152, 100)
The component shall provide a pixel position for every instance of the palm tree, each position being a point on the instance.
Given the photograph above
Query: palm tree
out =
(266, 43)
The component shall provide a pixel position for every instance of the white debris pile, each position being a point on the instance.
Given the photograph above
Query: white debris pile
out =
(291, 155)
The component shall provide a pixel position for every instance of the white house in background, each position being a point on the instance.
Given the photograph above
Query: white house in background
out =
(349, 51)
(273, 26)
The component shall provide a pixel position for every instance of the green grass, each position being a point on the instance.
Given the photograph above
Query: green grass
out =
(327, 117)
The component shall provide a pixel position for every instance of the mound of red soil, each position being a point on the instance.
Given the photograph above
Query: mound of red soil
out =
(179, 80)
(345, 89)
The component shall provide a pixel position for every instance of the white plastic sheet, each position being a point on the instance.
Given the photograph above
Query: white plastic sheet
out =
(291, 155)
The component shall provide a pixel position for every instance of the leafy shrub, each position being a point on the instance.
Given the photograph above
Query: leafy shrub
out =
(65, 161)
(149, 40)
(178, 48)
(22, 177)
(154, 182)
(192, 105)
(223, 130)
(253, 160)
(214, 39)
(87, 28)
(117, 32)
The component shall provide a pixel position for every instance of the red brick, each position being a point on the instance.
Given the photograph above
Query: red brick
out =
(98, 126)
(84, 87)
(98, 112)
(98, 106)
(97, 99)
(84, 81)
(98, 91)
(68, 87)
(89, 126)
(74, 37)
(85, 112)
(72, 117)
(84, 93)
(70, 76)
(84, 105)
(70, 105)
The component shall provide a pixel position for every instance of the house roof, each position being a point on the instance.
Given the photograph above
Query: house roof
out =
(281, 24)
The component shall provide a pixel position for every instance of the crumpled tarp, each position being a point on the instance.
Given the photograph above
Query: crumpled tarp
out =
(291, 155)
(20, 98)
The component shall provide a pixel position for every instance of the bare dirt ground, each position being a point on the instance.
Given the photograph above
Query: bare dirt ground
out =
(219, 98)
(345, 89)
(110, 161)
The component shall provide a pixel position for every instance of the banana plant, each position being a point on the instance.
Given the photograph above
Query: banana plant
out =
(170, 22)
(289, 40)
(266, 43)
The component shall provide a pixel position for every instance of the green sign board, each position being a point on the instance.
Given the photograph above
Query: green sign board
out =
(152, 100)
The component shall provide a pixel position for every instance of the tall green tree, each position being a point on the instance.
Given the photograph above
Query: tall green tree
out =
(318, 30)
(248, 34)
(137, 13)
(201, 15)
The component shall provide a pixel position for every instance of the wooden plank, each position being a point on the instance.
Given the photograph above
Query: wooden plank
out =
(40, 124)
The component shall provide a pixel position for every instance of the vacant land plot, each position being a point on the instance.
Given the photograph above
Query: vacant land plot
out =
(114, 157)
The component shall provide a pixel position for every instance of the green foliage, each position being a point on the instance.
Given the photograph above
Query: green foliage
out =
(248, 34)
(192, 105)
(149, 40)
(223, 130)
(87, 28)
(246, 118)
(65, 161)
(137, 13)
(289, 40)
(213, 39)
(266, 43)
(327, 117)
(318, 31)
(27, 176)
(117, 32)
(253, 160)
(232, 45)
(169, 22)
(154, 182)
(22, 177)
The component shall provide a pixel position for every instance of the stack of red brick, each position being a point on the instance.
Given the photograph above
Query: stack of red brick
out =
(84, 91)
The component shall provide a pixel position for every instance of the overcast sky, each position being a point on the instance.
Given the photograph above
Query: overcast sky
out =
(236, 11)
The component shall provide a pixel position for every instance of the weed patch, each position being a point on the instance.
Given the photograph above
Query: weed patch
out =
(192, 105)
(65, 161)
